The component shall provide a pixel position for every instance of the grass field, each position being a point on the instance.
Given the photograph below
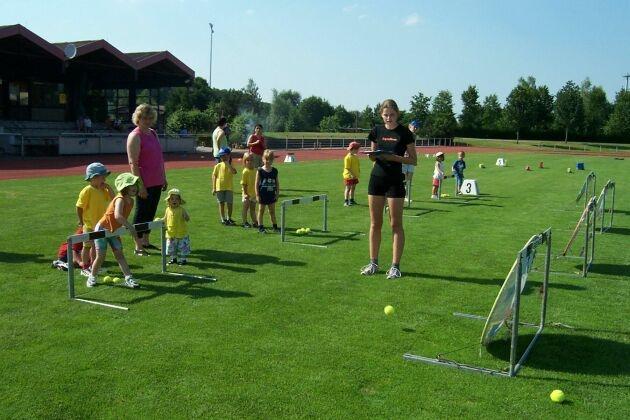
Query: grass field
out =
(294, 331)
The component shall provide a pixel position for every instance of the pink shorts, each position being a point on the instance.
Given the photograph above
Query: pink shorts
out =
(436, 182)
(351, 181)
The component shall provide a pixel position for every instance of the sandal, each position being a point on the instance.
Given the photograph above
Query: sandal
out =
(140, 253)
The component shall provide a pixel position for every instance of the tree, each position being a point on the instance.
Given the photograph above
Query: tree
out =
(542, 117)
(329, 124)
(618, 124)
(470, 118)
(196, 96)
(368, 118)
(252, 99)
(282, 105)
(519, 108)
(490, 113)
(419, 109)
(442, 122)
(596, 108)
(194, 121)
(568, 107)
(345, 118)
(312, 110)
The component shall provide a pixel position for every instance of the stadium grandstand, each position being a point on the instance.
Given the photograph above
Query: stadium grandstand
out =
(54, 89)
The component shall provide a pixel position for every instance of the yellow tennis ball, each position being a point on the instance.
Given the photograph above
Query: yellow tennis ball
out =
(557, 396)
(389, 309)
(307, 230)
(116, 279)
(107, 279)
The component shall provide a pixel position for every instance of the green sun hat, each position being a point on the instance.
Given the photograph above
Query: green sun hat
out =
(124, 180)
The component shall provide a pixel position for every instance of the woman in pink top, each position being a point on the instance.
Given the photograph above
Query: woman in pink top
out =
(256, 144)
(146, 161)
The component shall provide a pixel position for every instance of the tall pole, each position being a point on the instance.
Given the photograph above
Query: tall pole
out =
(210, 76)
(627, 76)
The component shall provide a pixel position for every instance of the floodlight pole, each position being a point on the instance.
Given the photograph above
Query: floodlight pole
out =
(211, 36)
(627, 76)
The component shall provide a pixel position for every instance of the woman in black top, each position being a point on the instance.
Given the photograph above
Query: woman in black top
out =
(387, 182)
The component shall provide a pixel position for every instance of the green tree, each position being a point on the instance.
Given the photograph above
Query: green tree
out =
(543, 108)
(312, 110)
(442, 122)
(251, 97)
(194, 121)
(568, 108)
(419, 109)
(596, 108)
(368, 118)
(470, 118)
(197, 96)
(618, 124)
(490, 113)
(282, 105)
(519, 108)
(329, 124)
(344, 117)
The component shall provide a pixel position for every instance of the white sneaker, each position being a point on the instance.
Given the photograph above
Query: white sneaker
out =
(131, 282)
(86, 272)
(393, 273)
(369, 269)
(434, 197)
(91, 281)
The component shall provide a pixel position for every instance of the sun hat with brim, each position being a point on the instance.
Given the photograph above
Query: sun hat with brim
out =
(174, 191)
(125, 180)
(95, 169)
(415, 123)
(224, 151)
(354, 145)
(438, 154)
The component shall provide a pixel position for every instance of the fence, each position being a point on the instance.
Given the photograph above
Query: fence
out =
(341, 143)
(97, 143)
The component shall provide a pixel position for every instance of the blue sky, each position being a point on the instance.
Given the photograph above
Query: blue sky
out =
(357, 53)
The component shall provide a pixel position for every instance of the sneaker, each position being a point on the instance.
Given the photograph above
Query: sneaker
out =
(393, 273)
(86, 272)
(434, 197)
(261, 230)
(255, 224)
(231, 222)
(346, 203)
(131, 282)
(225, 222)
(246, 225)
(369, 269)
(182, 262)
(352, 202)
(91, 281)
(60, 265)
(276, 230)
(172, 261)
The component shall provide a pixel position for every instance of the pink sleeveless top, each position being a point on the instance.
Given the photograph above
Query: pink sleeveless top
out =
(150, 161)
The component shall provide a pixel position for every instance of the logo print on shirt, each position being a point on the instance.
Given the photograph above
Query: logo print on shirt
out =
(390, 139)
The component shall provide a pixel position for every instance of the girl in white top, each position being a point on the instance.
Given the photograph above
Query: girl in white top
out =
(438, 174)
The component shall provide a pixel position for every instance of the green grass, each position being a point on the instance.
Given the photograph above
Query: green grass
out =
(546, 145)
(292, 331)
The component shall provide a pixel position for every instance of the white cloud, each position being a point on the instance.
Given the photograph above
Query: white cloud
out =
(350, 8)
(361, 17)
(412, 19)
(250, 12)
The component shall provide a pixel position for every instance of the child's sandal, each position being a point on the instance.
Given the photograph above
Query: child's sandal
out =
(140, 253)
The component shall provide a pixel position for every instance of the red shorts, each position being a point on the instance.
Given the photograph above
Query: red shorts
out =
(436, 182)
(351, 181)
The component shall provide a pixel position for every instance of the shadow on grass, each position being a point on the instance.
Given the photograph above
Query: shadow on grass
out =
(315, 233)
(18, 258)
(578, 354)
(240, 258)
(626, 212)
(192, 288)
(619, 230)
(423, 211)
(529, 287)
(622, 270)
(307, 191)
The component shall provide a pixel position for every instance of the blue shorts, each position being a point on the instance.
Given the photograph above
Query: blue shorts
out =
(114, 242)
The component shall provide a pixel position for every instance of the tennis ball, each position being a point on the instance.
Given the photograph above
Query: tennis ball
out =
(307, 230)
(557, 396)
(107, 279)
(116, 279)
(569, 170)
(300, 231)
(481, 165)
(445, 195)
(389, 309)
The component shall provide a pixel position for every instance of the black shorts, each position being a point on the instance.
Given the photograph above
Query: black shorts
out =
(388, 186)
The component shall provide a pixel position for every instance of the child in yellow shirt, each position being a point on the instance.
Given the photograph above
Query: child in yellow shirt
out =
(175, 219)
(222, 185)
(248, 183)
(351, 172)
(91, 205)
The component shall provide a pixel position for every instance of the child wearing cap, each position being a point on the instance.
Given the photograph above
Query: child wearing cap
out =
(115, 216)
(91, 205)
(438, 174)
(222, 185)
(458, 171)
(175, 219)
(248, 184)
(351, 172)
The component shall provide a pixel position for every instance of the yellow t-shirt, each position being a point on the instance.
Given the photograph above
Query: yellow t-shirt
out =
(351, 163)
(224, 177)
(249, 178)
(94, 202)
(176, 227)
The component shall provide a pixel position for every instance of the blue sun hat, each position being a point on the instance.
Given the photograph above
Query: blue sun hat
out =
(415, 123)
(224, 151)
(95, 169)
